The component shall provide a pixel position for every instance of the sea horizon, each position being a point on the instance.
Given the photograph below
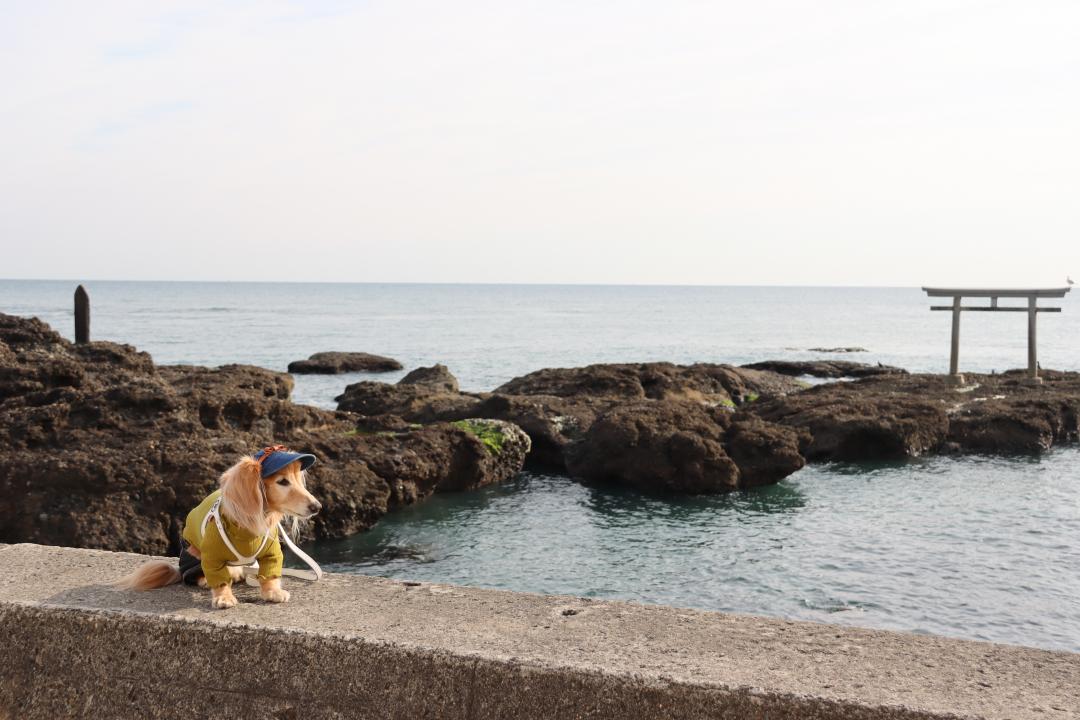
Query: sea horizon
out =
(78, 281)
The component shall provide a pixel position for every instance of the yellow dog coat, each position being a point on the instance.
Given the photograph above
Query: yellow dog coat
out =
(216, 555)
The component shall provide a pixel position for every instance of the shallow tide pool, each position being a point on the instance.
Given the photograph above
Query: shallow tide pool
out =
(975, 547)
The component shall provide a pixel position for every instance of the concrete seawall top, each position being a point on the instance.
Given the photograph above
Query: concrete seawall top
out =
(353, 646)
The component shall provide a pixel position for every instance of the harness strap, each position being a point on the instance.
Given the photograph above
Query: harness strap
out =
(240, 559)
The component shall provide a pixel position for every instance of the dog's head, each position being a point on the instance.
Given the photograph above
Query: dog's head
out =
(257, 502)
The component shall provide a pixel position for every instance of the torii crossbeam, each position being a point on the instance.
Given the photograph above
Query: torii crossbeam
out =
(1032, 309)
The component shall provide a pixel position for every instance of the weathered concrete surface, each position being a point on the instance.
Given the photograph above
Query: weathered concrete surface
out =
(358, 647)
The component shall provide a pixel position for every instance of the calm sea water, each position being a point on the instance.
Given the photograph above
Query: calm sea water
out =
(974, 547)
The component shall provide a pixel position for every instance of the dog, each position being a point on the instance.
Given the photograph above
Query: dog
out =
(238, 525)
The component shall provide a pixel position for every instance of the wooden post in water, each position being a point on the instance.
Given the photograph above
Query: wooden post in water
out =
(1033, 363)
(954, 352)
(82, 315)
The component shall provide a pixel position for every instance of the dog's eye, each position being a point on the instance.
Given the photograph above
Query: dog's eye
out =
(283, 481)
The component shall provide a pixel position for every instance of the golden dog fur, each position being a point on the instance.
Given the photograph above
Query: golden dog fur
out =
(253, 502)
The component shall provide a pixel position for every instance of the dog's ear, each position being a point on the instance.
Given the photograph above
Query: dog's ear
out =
(242, 495)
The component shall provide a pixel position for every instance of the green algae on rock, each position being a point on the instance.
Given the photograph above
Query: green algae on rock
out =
(488, 431)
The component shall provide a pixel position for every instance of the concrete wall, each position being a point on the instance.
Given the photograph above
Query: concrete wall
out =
(358, 647)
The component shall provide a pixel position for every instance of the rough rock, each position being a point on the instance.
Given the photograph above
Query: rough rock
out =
(682, 447)
(845, 422)
(335, 363)
(366, 473)
(825, 368)
(764, 452)
(437, 377)
(413, 402)
(703, 382)
(551, 422)
(1007, 414)
(838, 350)
(895, 416)
(657, 447)
(557, 406)
(104, 449)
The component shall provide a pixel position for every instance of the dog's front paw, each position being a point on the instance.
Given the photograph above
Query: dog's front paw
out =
(275, 595)
(223, 599)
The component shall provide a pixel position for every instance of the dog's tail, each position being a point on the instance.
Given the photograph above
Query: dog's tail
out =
(152, 575)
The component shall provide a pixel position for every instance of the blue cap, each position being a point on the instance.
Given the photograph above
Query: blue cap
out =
(277, 457)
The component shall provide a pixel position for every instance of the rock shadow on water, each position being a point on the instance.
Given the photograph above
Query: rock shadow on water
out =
(930, 464)
(624, 506)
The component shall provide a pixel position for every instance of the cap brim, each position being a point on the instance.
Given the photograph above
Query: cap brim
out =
(280, 460)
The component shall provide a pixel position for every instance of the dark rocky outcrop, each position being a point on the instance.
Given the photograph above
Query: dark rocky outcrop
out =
(681, 447)
(586, 420)
(558, 408)
(838, 349)
(898, 416)
(415, 403)
(844, 422)
(706, 383)
(436, 377)
(825, 368)
(764, 452)
(335, 363)
(656, 446)
(368, 473)
(424, 395)
(104, 449)
(551, 422)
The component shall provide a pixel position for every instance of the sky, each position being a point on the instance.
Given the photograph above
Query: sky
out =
(839, 142)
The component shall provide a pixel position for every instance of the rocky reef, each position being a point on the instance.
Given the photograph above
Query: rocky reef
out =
(826, 368)
(680, 447)
(335, 363)
(711, 428)
(658, 427)
(104, 449)
(896, 416)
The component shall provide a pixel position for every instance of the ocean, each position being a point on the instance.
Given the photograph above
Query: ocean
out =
(976, 547)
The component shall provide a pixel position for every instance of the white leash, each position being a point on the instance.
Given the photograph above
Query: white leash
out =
(315, 573)
(250, 564)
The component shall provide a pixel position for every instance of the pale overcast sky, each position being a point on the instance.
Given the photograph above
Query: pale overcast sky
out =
(852, 142)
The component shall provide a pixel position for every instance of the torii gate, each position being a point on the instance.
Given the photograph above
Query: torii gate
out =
(1032, 310)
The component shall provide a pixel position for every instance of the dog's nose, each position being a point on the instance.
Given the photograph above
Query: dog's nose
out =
(314, 506)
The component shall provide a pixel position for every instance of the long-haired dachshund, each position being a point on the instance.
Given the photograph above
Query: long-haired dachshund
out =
(238, 525)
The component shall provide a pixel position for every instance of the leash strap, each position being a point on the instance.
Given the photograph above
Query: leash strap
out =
(315, 573)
